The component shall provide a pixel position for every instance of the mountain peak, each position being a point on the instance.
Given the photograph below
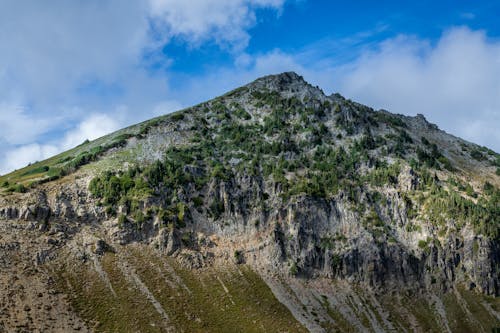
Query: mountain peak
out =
(282, 78)
(307, 191)
(289, 83)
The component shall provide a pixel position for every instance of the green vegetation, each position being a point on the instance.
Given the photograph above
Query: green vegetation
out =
(194, 301)
(390, 119)
(315, 167)
(19, 188)
(477, 155)
(242, 114)
(383, 174)
(441, 204)
(289, 145)
(177, 116)
(36, 170)
(66, 163)
(288, 148)
(422, 244)
(63, 164)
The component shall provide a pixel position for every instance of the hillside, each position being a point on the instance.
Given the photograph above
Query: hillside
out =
(273, 208)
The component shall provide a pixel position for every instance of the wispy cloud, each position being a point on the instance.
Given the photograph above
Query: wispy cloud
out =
(91, 127)
(455, 82)
(195, 21)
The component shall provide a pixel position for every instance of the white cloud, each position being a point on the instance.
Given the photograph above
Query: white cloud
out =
(20, 157)
(166, 107)
(83, 58)
(91, 128)
(225, 21)
(454, 83)
(49, 49)
(20, 127)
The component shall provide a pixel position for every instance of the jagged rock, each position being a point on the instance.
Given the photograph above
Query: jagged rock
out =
(407, 179)
(191, 259)
(43, 256)
(102, 247)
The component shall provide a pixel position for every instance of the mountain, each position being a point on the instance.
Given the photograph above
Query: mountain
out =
(272, 208)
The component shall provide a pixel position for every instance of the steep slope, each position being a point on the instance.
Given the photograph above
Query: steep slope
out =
(357, 220)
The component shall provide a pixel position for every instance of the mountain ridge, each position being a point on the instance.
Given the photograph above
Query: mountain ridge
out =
(275, 81)
(314, 200)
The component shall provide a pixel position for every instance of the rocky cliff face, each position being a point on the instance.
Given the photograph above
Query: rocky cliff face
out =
(300, 186)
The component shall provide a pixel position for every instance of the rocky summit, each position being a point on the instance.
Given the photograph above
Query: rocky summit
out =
(272, 208)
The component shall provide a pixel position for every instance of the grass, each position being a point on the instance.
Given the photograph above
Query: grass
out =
(248, 306)
(41, 170)
(95, 303)
(457, 318)
(235, 299)
(483, 317)
(341, 324)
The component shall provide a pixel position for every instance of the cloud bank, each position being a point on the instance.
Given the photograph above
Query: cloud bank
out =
(455, 83)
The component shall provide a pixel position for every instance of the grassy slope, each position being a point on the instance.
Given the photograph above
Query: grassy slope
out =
(34, 172)
(235, 299)
(199, 303)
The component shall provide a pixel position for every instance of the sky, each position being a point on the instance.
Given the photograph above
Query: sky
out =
(72, 70)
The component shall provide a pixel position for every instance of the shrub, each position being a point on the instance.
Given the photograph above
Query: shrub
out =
(422, 244)
(242, 114)
(197, 201)
(55, 173)
(327, 243)
(186, 239)
(469, 190)
(488, 188)
(139, 217)
(410, 227)
(180, 212)
(122, 219)
(238, 256)
(177, 116)
(477, 155)
(34, 171)
(217, 209)
(110, 210)
(335, 261)
(446, 163)
(19, 188)
(392, 120)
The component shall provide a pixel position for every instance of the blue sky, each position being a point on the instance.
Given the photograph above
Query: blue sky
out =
(72, 70)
